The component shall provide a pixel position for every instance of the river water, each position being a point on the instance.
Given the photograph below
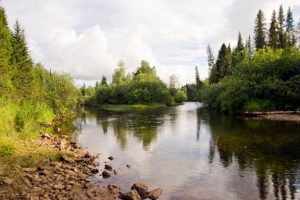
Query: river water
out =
(195, 154)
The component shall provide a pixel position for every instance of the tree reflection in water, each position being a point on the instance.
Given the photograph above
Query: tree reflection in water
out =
(271, 149)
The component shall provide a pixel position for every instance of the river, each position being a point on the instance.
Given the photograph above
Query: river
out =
(195, 154)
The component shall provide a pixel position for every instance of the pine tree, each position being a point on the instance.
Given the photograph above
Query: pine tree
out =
(290, 31)
(273, 32)
(210, 57)
(5, 55)
(198, 81)
(281, 31)
(223, 64)
(24, 73)
(103, 81)
(240, 45)
(260, 30)
(249, 48)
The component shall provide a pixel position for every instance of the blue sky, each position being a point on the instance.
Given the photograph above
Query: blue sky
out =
(88, 38)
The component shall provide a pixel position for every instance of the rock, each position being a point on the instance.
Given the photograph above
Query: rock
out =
(105, 174)
(113, 189)
(154, 194)
(67, 159)
(128, 166)
(8, 181)
(87, 155)
(116, 172)
(70, 172)
(110, 158)
(62, 145)
(108, 167)
(132, 195)
(95, 170)
(45, 136)
(58, 186)
(141, 188)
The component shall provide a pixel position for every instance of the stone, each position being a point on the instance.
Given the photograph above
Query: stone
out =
(70, 172)
(116, 172)
(128, 166)
(58, 186)
(62, 145)
(141, 188)
(105, 174)
(113, 189)
(132, 195)
(45, 135)
(154, 194)
(8, 181)
(95, 170)
(67, 159)
(108, 167)
(110, 158)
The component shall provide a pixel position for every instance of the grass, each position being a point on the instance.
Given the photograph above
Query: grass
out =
(130, 108)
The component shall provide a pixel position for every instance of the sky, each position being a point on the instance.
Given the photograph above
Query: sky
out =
(87, 38)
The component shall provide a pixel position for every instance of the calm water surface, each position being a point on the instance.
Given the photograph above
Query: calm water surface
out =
(194, 154)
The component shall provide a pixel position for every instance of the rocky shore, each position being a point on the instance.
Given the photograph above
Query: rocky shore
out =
(69, 177)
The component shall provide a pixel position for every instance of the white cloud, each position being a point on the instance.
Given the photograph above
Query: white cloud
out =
(88, 38)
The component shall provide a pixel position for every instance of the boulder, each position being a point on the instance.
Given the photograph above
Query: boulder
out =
(8, 181)
(67, 159)
(113, 189)
(141, 188)
(154, 194)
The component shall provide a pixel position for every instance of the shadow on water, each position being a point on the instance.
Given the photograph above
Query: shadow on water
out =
(197, 154)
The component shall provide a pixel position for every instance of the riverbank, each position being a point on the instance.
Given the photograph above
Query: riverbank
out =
(130, 108)
(283, 116)
(51, 167)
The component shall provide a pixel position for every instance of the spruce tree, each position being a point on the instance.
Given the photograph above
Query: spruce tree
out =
(103, 81)
(24, 72)
(223, 64)
(298, 34)
(273, 32)
(240, 45)
(290, 31)
(260, 30)
(5, 56)
(281, 31)
(198, 81)
(249, 48)
(210, 57)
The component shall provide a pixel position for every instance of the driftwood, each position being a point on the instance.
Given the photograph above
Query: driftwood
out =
(253, 114)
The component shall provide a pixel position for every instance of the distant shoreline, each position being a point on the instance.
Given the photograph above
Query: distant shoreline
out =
(283, 116)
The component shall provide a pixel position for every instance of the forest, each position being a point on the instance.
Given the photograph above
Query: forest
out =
(31, 96)
(262, 75)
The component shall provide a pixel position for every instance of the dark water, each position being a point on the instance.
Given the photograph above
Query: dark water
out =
(194, 154)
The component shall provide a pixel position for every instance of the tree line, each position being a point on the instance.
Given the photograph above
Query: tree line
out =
(258, 75)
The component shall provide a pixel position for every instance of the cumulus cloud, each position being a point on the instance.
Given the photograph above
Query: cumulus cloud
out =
(88, 38)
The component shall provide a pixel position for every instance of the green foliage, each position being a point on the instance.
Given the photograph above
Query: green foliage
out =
(260, 30)
(269, 81)
(145, 87)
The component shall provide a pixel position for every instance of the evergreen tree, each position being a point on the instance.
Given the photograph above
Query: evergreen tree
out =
(5, 55)
(103, 81)
(24, 75)
(223, 64)
(281, 31)
(290, 31)
(210, 57)
(198, 81)
(83, 90)
(240, 45)
(249, 48)
(273, 32)
(260, 30)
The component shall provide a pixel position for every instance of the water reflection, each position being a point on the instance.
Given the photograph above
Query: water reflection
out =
(196, 154)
